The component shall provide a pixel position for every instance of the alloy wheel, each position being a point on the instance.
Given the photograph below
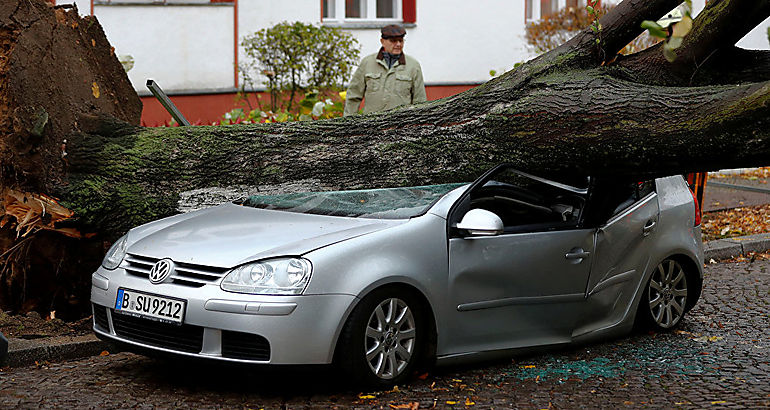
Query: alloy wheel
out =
(667, 294)
(390, 338)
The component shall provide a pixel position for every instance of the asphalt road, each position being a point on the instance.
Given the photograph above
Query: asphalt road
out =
(719, 356)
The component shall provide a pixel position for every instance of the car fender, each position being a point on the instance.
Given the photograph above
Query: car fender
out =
(413, 254)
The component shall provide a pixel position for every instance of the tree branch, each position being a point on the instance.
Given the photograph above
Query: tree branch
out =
(707, 53)
(619, 27)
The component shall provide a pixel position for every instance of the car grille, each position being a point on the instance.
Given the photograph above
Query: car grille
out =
(185, 274)
(100, 317)
(185, 338)
(247, 346)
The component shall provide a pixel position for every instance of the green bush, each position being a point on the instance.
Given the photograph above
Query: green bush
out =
(291, 59)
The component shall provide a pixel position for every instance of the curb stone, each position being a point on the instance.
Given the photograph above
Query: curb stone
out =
(23, 352)
(732, 247)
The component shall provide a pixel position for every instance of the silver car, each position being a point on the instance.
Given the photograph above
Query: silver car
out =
(381, 281)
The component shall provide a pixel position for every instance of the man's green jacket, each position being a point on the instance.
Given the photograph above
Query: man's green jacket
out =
(384, 88)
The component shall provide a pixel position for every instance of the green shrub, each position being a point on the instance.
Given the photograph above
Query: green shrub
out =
(292, 59)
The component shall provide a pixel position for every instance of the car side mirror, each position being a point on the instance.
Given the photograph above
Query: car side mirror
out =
(480, 222)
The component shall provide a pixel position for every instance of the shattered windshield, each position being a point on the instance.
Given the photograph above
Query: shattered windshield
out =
(385, 203)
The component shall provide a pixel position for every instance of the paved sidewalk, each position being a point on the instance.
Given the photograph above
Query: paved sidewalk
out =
(732, 192)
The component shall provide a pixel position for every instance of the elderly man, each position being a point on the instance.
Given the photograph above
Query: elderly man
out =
(388, 79)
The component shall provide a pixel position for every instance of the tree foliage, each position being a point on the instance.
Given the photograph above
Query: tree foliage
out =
(291, 58)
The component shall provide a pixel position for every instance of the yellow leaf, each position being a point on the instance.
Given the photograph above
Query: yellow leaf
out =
(529, 366)
(365, 396)
(719, 402)
(451, 402)
(468, 402)
(457, 380)
(95, 89)
(343, 94)
(410, 406)
(682, 27)
(104, 353)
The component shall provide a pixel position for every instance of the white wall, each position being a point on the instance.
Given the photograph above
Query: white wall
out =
(460, 41)
(757, 38)
(180, 47)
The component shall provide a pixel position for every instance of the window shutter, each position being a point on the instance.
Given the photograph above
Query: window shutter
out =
(410, 11)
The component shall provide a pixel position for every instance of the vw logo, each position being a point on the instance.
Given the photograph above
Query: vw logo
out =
(161, 271)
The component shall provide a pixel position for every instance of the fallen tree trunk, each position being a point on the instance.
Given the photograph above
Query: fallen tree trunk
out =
(575, 110)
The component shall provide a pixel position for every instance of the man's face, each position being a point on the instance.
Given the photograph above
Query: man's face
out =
(393, 45)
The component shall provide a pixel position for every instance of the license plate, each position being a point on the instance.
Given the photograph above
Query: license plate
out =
(151, 306)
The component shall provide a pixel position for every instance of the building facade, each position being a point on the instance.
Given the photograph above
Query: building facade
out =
(192, 47)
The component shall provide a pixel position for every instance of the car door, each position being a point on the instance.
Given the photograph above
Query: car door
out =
(524, 286)
(621, 255)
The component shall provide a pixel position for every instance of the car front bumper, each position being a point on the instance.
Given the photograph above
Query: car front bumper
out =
(294, 329)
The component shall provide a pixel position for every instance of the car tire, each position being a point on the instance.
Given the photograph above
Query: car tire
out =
(383, 339)
(664, 302)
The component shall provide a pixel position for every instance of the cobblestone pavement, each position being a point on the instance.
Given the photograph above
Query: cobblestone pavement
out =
(718, 357)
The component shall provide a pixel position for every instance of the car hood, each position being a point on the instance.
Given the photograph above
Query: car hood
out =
(229, 235)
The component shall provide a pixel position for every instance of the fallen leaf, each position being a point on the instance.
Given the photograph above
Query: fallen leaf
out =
(451, 402)
(365, 396)
(93, 43)
(708, 338)
(393, 390)
(423, 376)
(719, 402)
(468, 402)
(95, 90)
(410, 406)
(104, 353)
(529, 366)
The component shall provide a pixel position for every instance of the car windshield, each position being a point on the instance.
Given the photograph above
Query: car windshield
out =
(385, 203)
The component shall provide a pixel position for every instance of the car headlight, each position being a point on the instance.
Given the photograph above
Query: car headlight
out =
(287, 276)
(115, 255)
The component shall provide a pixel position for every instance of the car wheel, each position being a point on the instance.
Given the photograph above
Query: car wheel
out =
(383, 338)
(665, 298)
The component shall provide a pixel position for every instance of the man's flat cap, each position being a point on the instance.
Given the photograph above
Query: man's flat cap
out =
(393, 30)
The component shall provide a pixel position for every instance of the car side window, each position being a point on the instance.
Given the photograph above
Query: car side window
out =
(610, 198)
(528, 205)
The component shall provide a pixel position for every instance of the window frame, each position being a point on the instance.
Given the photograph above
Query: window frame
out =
(533, 10)
(339, 17)
(463, 204)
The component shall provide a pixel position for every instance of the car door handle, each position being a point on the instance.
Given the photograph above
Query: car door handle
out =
(580, 254)
(649, 227)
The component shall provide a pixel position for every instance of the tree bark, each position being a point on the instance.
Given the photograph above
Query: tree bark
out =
(577, 110)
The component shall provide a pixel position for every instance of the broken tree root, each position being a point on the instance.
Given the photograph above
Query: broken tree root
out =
(33, 212)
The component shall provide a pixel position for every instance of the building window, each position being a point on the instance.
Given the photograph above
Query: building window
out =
(341, 11)
(538, 9)
(548, 7)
